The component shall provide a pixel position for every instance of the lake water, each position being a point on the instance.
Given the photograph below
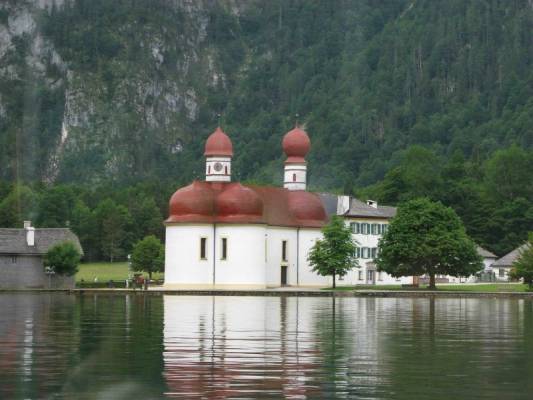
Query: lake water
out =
(97, 346)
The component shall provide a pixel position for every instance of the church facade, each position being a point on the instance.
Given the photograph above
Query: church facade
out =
(223, 234)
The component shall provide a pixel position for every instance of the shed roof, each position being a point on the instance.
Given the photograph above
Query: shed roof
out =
(13, 241)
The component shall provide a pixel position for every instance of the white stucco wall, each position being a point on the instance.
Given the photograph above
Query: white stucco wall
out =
(182, 255)
(295, 177)
(308, 237)
(275, 237)
(245, 263)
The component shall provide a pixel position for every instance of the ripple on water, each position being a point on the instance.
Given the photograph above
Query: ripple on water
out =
(136, 346)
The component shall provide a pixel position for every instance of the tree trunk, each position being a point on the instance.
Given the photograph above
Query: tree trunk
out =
(333, 280)
(432, 281)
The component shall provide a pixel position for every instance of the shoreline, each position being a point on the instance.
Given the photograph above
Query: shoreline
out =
(285, 293)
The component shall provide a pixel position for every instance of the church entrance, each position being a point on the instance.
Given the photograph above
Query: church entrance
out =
(283, 275)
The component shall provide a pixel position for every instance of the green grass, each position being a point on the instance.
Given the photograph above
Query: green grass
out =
(486, 288)
(117, 271)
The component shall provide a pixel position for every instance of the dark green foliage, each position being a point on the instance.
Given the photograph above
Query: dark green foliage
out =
(406, 98)
(333, 255)
(148, 255)
(427, 238)
(63, 258)
(523, 266)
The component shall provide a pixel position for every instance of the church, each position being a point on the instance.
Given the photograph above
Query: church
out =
(223, 234)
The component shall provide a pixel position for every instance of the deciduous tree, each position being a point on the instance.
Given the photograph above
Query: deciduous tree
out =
(426, 237)
(148, 255)
(334, 254)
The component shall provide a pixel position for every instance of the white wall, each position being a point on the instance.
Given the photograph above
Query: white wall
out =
(298, 170)
(182, 254)
(308, 237)
(275, 236)
(245, 263)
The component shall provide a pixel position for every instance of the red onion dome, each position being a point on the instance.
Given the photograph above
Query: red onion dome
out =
(238, 200)
(306, 206)
(194, 202)
(296, 145)
(218, 144)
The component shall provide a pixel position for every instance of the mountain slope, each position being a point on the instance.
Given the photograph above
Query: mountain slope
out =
(93, 90)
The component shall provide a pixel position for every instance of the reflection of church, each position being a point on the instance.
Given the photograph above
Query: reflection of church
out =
(226, 234)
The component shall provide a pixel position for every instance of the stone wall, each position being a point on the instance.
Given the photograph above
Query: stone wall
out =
(27, 272)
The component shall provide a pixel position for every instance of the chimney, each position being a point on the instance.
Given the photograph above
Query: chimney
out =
(30, 233)
(372, 203)
(343, 204)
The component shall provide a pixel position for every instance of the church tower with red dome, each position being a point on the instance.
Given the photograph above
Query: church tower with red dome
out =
(296, 145)
(218, 153)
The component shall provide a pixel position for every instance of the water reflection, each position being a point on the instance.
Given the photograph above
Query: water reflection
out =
(57, 346)
(347, 348)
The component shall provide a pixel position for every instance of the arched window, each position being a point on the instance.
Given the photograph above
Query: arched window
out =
(294, 177)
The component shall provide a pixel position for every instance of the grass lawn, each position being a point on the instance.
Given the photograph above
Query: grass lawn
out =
(117, 271)
(485, 287)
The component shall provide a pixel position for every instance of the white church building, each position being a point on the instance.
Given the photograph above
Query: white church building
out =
(223, 234)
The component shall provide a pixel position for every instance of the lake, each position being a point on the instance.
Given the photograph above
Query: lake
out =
(110, 346)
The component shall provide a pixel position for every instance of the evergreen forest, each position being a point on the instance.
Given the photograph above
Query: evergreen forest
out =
(105, 106)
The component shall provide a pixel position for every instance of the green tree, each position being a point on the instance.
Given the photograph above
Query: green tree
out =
(148, 255)
(523, 266)
(63, 258)
(19, 205)
(113, 223)
(426, 237)
(334, 254)
(508, 174)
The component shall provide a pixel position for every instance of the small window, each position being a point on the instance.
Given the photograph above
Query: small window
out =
(226, 169)
(375, 229)
(373, 253)
(203, 248)
(13, 259)
(360, 275)
(384, 228)
(365, 229)
(294, 177)
(224, 247)
(283, 250)
(501, 272)
(355, 227)
(365, 252)
(357, 252)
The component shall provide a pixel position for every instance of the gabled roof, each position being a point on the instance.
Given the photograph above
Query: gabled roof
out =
(508, 259)
(361, 209)
(13, 241)
(485, 253)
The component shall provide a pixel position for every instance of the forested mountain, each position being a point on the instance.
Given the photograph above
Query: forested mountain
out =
(100, 92)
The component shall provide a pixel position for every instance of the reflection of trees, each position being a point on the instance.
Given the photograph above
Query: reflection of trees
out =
(455, 348)
(64, 345)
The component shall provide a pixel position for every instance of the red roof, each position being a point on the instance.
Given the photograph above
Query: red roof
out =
(296, 145)
(215, 202)
(218, 144)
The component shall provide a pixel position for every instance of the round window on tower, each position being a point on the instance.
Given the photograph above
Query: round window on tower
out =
(218, 167)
